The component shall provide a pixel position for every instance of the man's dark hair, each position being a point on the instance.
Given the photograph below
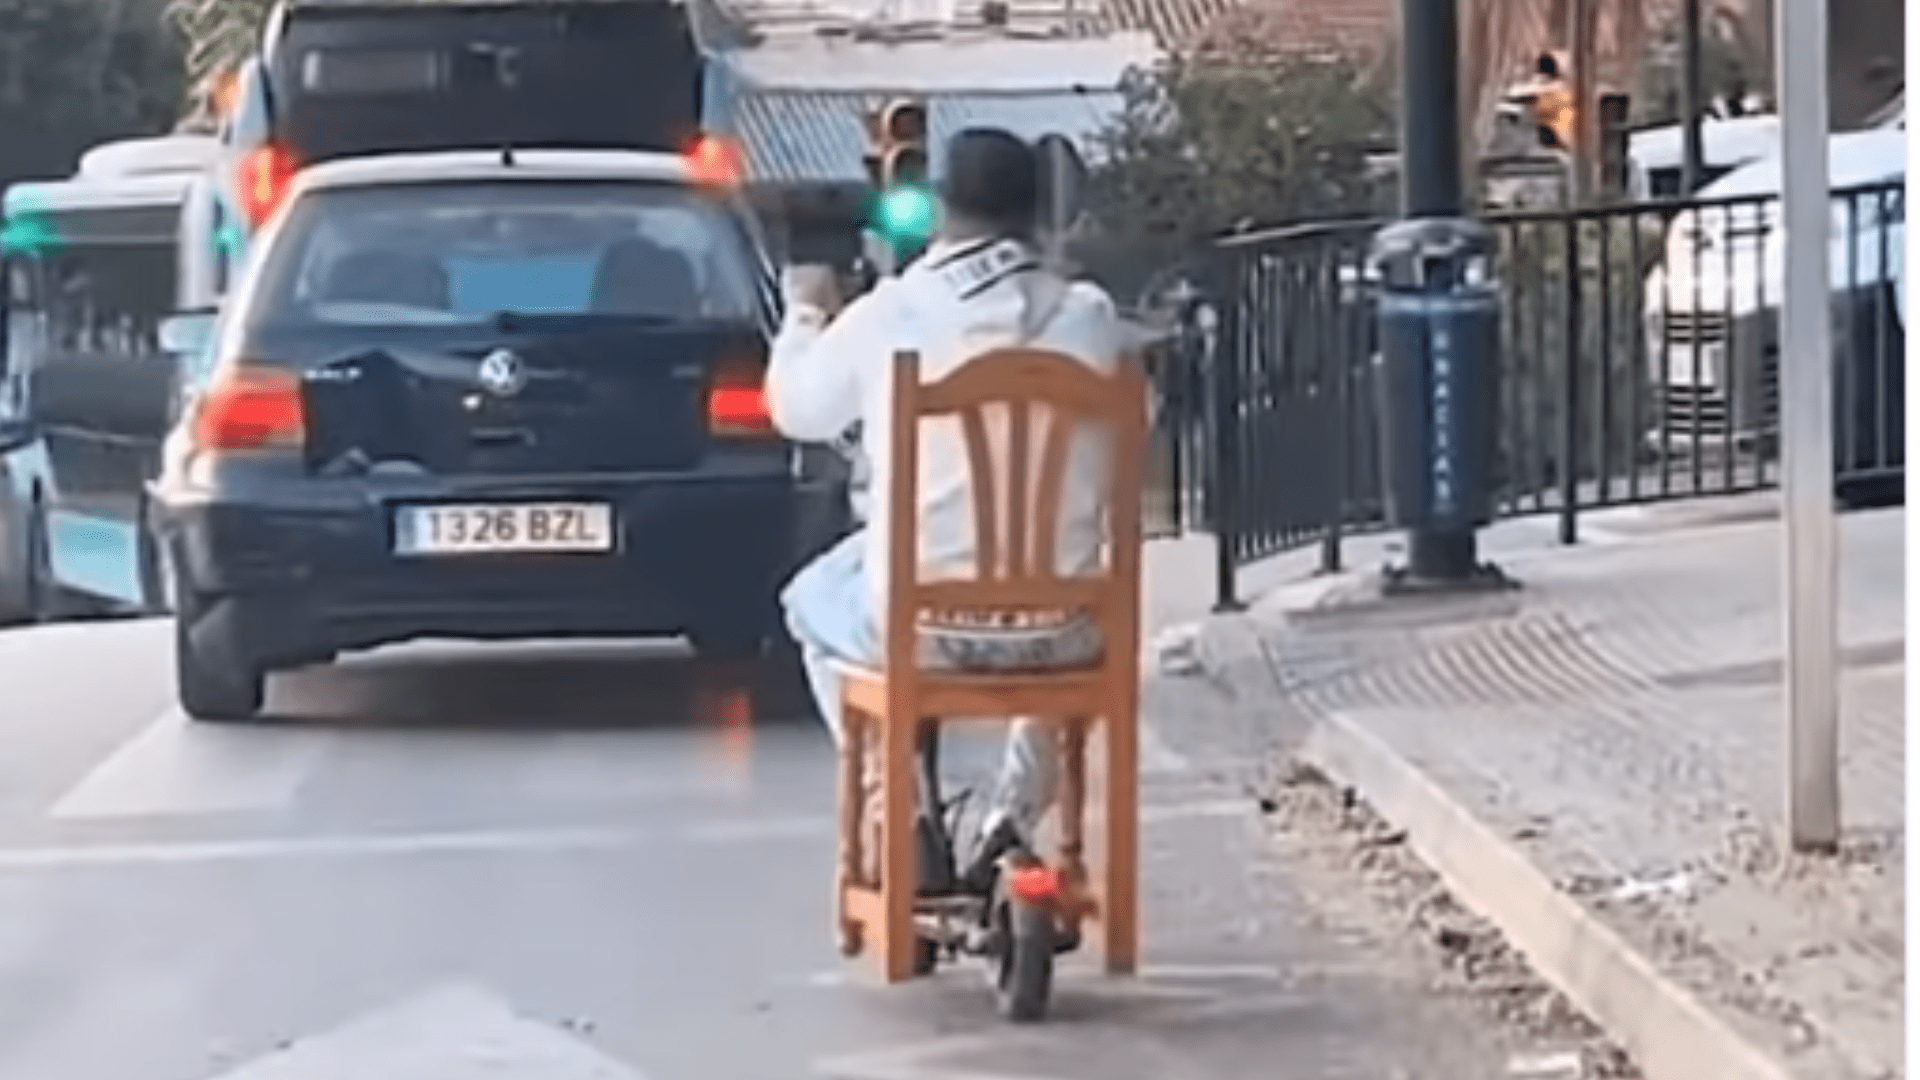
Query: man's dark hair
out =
(993, 177)
(1547, 66)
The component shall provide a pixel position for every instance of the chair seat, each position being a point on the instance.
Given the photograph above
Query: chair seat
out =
(965, 695)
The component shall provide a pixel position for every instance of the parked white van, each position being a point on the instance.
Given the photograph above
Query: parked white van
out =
(1712, 306)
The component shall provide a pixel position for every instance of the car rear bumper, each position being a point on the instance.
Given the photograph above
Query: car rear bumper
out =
(291, 582)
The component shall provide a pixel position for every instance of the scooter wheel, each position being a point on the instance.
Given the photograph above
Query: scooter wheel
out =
(1028, 945)
(926, 957)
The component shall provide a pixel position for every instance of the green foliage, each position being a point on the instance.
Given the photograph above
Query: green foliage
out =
(1213, 145)
(74, 73)
(1725, 68)
(219, 33)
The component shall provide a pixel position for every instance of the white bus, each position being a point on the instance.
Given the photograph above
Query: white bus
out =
(93, 264)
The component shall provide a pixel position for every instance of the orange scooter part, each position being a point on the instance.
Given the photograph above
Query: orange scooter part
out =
(1036, 885)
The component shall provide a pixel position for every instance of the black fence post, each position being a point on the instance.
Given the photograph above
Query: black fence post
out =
(1223, 424)
(1332, 322)
(1570, 398)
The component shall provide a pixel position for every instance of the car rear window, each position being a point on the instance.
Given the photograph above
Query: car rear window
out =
(462, 253)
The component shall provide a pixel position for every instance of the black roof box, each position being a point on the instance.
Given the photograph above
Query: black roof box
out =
(353, 77)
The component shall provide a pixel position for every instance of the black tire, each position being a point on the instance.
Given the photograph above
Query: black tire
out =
(1025, 979)
(926, 957)
(215, 686)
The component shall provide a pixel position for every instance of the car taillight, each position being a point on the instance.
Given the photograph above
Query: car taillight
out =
(266, 173)
(737, 401)
(251, 409)
(714, 162)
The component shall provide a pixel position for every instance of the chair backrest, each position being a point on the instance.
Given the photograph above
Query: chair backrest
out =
(1045, 400)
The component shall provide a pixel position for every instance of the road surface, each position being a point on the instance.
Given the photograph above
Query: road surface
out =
(559, 862)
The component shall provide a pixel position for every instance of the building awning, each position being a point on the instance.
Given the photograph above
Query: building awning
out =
(812, 136)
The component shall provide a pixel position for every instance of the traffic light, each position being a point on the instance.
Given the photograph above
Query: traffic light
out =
(903, 144)
(905, 211)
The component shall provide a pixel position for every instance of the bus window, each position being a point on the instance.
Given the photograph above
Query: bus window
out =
(16, 343)
(100, 375)
(110, 298)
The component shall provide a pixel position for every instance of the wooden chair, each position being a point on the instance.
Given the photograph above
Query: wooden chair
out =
(1017, 574)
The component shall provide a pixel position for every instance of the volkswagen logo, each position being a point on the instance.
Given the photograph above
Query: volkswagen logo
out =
(502, 374)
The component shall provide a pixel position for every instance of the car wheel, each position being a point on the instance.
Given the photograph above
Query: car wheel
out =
(214, 684)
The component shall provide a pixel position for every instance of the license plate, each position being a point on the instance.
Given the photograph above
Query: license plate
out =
(502, 528)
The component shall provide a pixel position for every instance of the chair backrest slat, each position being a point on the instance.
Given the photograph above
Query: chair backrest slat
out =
(1018, 472)
(986, 493)
(1018, 519)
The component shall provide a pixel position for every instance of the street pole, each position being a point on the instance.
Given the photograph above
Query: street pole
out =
(1586, 98)
(1056, 249)
(1692, 97)
(1806, 407)
(1430, 187)
(1430, 110)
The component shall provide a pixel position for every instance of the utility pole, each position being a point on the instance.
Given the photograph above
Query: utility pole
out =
(1806, 415)
(1430, 132)
(1692, 100)
(1585, 33)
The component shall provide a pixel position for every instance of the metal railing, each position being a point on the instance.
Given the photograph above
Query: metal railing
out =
(1639, 362)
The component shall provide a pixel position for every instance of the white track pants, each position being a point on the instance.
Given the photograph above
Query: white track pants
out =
(830, 614)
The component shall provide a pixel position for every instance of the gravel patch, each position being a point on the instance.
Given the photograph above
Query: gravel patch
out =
(1363, 879)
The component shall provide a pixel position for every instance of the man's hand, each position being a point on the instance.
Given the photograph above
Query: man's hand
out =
(813, 285)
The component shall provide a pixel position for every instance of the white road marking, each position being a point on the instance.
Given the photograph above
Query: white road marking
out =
(1155, 813)
(1153, 981)
(451, 1033)
(1245, 972)
(406, 846)
(177, 767)
(782, 828)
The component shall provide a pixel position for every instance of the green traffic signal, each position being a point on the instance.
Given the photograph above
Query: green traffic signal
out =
(907, 216)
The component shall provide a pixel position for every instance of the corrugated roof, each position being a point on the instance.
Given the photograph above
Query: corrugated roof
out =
(819, 136)
(1173, 23)
(957, 62)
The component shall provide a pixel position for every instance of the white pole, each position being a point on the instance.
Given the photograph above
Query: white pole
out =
(1806, 421)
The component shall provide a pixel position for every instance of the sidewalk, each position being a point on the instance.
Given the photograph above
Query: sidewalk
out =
(1594, 762)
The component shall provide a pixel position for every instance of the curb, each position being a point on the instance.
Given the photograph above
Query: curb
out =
(1665, 1028)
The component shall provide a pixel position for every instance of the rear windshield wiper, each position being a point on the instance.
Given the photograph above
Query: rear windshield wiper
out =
(508, 321)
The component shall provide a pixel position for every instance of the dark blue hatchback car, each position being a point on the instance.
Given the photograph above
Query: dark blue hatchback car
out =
(487, 396)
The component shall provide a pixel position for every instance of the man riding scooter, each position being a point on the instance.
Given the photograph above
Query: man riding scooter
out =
(980, 285)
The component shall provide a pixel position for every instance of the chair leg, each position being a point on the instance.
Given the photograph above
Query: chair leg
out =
(853, 766)
(899, 874)
(1120, 913)
(1073, 802)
